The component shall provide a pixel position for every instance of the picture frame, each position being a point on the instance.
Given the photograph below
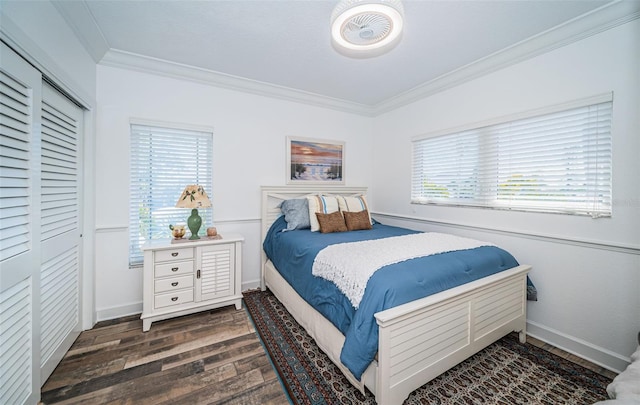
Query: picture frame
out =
(315, 161)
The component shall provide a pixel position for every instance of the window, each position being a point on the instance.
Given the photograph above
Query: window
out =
(557, 160)
(163, 162)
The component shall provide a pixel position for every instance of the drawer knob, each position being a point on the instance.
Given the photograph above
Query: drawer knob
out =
(175, 283)
(174, 269)
(174, 299)
(174, 254)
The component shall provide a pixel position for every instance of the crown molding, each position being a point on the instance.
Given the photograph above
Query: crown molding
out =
(127, 60)
(84, 26)
(601, 19)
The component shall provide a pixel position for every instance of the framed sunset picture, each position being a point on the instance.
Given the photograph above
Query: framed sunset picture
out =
(315, 161)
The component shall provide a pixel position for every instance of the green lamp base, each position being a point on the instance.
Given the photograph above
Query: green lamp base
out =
(194, 222)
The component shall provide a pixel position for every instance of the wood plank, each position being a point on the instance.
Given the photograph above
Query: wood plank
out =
(267, 393)
(208, 355)
(233, 344)
(218, 391)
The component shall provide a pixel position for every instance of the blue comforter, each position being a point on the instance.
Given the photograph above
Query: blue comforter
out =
(293, 252)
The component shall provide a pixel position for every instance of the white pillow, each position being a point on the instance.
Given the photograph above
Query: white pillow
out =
(323, 204)
(353, 204)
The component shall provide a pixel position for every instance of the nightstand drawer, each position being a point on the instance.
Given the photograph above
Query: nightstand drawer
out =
(176, 298)
(173, 284)
(174, 268)
(173, 254)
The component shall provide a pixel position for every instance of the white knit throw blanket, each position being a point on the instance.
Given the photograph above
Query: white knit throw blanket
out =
(350, 265)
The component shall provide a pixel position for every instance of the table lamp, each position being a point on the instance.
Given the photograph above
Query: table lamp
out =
(194, 197)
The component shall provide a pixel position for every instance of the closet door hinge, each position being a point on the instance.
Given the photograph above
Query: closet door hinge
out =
(198, 274)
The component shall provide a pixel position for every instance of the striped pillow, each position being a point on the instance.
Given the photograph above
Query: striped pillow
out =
(322, 204)
(354, 204)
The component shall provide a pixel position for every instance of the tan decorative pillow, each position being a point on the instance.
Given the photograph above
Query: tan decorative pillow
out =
(333, 222)
(357, 221)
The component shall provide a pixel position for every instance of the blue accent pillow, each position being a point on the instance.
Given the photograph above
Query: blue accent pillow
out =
(296, 213)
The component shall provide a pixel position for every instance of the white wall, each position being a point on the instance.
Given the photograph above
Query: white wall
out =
(249, 151)
(587, 271)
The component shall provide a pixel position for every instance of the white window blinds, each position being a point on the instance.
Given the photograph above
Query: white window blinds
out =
(558, 161)
(163, 162)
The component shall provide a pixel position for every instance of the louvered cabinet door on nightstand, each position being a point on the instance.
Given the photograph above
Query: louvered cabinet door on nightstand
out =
(188, 277)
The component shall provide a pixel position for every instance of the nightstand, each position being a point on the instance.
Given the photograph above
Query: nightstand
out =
(183, 278)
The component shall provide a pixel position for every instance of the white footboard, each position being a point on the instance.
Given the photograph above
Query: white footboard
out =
(422, 339)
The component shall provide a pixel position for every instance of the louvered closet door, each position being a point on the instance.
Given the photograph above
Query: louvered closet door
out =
(20, 94)
(60, 224)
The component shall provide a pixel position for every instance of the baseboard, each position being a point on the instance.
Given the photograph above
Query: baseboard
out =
(595, 354)
(250, 285)
(106, 314)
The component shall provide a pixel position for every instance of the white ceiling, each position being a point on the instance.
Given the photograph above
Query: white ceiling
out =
(284, 45)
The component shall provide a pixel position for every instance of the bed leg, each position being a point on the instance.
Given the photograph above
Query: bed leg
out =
(522, 336)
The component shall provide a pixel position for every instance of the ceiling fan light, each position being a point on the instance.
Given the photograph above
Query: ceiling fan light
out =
(366, 28)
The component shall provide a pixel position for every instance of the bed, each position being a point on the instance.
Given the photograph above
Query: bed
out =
(417, 340)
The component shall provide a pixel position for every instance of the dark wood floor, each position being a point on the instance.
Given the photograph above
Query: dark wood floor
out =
(213, 357)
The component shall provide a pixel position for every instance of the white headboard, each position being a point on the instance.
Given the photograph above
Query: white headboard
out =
(272, 196)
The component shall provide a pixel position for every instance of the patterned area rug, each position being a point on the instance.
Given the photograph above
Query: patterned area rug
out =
(506, 372)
